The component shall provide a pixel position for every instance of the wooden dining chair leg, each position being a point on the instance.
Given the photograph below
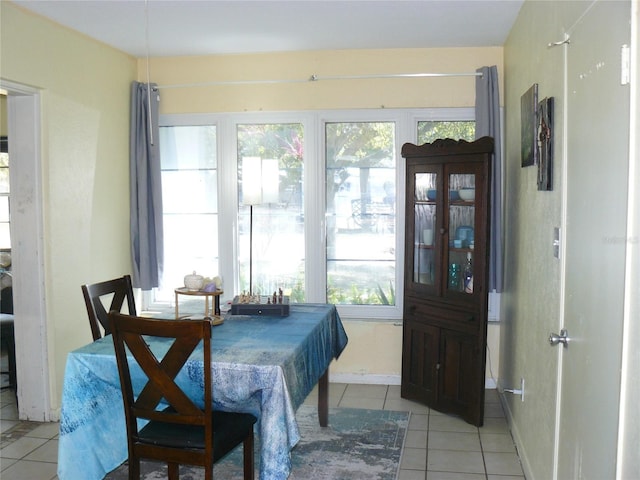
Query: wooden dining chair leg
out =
(134, 468)
(247, 449)
(173, 471)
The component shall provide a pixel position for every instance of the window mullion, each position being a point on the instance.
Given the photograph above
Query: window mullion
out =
(228, 205)
(315, 226)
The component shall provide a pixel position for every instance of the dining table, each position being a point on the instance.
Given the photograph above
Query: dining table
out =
(263, 365)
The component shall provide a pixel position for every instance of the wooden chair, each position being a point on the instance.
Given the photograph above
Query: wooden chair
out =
(182, 433)
(121, 289)
(8, 343)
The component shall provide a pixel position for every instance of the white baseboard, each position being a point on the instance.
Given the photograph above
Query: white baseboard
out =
(517, 437)
(372, 379)
(369, 379)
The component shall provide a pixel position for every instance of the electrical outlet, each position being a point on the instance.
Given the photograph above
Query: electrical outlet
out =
(516, 391)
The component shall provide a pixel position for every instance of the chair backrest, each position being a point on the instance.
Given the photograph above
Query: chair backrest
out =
(144, 401)
(121, 289)
(6, 300)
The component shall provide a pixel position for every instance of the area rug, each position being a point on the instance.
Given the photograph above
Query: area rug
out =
(358, 444)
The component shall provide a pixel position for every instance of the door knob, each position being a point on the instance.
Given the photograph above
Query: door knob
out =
(563, 338)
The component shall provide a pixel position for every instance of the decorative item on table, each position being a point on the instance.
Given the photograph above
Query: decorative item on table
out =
(255, 304)
(214, 320)
(194, 282)
(5, 260)
(212, 284)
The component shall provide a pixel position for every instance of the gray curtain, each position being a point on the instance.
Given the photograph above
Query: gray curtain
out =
(147, 249)
(488, 124)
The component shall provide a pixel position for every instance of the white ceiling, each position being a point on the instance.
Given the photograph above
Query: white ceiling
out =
(201, 27)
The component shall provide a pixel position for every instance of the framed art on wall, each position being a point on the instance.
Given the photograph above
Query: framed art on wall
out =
(545, 144)
(528, 126)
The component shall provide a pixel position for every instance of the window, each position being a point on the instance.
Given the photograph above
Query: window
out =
(271, 230)
(190, 204)
(360, 206)
(329, 227)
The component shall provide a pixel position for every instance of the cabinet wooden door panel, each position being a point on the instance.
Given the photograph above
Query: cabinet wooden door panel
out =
(459, 373)
(420, 361)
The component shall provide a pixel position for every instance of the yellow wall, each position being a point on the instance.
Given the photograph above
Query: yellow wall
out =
(375, 347)
(321, 94)
(529, 225)
(85, 150)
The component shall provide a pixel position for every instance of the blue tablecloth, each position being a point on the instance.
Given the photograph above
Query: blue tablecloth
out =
(262, 365)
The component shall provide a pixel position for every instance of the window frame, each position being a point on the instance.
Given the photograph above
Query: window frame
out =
(314, 123)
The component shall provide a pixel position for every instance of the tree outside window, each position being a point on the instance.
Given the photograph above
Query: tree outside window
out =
(360, 210)
(457, 130)
(278, 244)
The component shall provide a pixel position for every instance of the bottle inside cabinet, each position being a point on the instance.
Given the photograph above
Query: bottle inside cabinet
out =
(467, 275)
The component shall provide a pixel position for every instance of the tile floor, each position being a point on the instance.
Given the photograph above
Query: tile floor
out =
(437, 446)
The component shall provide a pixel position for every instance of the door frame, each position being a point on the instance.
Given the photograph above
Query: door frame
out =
(27, 252)
(628, 461)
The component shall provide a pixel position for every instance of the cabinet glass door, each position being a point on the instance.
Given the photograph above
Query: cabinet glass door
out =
(424, 260)
(461, 222)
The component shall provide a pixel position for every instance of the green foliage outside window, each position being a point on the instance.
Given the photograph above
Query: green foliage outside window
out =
(277, 244)
(360, 177)
(282, 141)
(430, 131)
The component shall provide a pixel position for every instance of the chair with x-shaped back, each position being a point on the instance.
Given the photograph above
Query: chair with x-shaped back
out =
(121, 289)
(182, 432)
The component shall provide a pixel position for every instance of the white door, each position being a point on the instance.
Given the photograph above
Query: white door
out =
(595, 236)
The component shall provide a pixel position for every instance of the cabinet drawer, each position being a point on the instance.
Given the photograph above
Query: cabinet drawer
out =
(445, 317)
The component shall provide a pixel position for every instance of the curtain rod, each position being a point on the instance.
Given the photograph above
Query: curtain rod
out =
(317, 78)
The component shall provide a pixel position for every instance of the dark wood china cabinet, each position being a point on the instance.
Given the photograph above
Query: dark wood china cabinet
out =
(446, 275)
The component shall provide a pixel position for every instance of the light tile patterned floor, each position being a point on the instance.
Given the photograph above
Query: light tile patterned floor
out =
(437, 447)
